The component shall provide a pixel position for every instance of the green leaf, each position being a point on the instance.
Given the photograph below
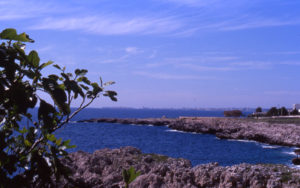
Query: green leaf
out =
(27, 143)
(51, 137)
(109, 83)
(133, 174)
(34, 58)
(45, 109)
(24, 38)
(11, 34)
(46, 64)
(112, 95)
(80, 72)
(84, 87)
(58, 142)
(23, 131)
(86, 80)
(71, 146)
(96, 88)
(57, 66)
(129, 175)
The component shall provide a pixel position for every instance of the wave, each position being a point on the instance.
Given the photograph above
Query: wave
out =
(294, 166)
(176, 131)
(149, 125)
(269, 147)
(73, 122)
(239, 140)
(289, 153)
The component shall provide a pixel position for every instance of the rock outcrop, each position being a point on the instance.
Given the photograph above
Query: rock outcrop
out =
(144, 121)
(104, 167)
(230, 128)
(285, 134)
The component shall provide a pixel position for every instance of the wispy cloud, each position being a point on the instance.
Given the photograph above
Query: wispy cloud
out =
(132, 50)
(195, 67)
(167, 76)
(212, 63)
(259, 23)
(193, 3)
(293, 63)
(111, 25)
(282, 93)
(285, 53)
(19, 10)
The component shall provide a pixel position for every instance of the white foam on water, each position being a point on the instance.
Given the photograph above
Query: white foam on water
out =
(148, 125)
(294, 166)
(289, 153)
(269, 147)
(73, 122)
(238, 140)
(175, 131)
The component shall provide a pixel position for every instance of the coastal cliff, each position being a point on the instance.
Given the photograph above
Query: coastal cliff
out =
(276, 133)
(104, 168)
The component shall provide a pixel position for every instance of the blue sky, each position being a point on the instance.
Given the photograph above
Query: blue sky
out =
(171, 53)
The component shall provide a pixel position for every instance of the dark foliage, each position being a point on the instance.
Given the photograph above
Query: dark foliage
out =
(30, 152)
(294, 112)
(283, 111)
(258, 109)
(273, 112)
(233, 113)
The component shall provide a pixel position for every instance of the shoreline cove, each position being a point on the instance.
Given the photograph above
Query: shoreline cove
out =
(275, 134)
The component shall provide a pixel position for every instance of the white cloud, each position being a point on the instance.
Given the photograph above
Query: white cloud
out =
(285, 53)
(153, 55)
(282, 93)
(166, 76)
(111, 25)
(260, 23)
(196, 67)
(194, 3)
(293, 63)
(132, 50)
(19, 9)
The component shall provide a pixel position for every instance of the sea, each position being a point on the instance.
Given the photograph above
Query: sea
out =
(198, 148)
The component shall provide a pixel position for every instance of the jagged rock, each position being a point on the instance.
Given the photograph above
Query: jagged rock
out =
(230, 128)
(104, 167)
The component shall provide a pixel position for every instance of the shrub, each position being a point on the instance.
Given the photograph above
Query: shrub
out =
(30, 152)
(294, 112)
(258, 109)
(273, 112)
(233, 113)
(283, 111)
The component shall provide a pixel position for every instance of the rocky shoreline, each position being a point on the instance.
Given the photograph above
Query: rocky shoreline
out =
(104, 168)
(285, 134)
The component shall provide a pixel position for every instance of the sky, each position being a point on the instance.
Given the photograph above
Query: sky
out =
(171, 53)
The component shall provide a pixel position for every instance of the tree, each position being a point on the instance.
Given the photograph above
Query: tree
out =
(258, 109)
(30, 152)
(283, 111)
(295, 112)
(233, 113)
(273, 112)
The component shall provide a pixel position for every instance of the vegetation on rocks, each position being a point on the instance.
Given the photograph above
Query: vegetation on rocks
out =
(233, 113)
(103, 169)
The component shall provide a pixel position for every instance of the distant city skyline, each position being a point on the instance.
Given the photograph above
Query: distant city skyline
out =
(171, 53)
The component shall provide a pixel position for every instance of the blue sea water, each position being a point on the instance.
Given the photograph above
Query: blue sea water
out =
(198, 148)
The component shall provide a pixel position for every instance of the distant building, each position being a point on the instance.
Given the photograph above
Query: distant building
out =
(297, 107)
